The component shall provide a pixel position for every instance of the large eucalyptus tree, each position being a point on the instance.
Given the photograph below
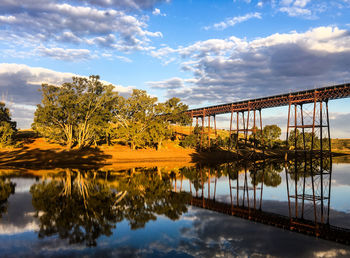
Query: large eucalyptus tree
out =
(75, 113)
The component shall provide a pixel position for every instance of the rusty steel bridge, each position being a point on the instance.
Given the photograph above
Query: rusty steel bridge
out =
(248, 118)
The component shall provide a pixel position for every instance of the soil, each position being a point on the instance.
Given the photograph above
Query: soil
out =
(41, 154)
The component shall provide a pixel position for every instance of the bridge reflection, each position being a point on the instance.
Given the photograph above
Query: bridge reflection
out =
(307, 182)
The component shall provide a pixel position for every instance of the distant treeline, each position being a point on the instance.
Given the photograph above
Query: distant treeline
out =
(267, 138)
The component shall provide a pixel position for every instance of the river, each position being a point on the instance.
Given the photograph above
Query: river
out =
(298, 208)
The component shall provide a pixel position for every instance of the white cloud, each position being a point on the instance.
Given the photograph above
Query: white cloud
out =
(298, 8)
(47, 21)
(124, 59)
(157, 12)
(301, 3)
(128, 4)
(230, 22)
(231, 69)
(295, 11)
(74, 55)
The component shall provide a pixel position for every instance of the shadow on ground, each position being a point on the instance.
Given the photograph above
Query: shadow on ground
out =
(54, 158)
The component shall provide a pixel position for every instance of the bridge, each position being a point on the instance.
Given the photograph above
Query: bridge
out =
(248, 118)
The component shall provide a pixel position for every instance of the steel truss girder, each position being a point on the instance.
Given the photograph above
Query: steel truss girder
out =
(300, 97)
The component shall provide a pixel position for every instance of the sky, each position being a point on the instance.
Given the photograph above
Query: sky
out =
(205, 52)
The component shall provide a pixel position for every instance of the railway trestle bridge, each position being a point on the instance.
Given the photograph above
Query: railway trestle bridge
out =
(246, 115)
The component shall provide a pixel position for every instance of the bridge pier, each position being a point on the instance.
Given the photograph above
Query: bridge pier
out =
(308, 130)
(249, 126)
(203, 132)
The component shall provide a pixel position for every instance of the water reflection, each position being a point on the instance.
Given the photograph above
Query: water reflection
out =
(83, 205)
(170, 211)
(6, 189)
(308, 187)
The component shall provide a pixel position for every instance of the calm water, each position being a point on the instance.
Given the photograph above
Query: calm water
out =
(236, 209)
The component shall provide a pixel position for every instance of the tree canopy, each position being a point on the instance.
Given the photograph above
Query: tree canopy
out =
(142, 121)
(271, 133)
(75, 113)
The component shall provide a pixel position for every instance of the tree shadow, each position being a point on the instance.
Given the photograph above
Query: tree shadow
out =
(53, 158)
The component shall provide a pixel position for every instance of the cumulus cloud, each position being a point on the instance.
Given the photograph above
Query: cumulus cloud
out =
(226, 70)
(54, 22)
(20, 84)
(230, 22)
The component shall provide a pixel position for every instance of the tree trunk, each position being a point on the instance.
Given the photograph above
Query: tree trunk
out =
(159, 145)
(69, 136)
(107, 139)
(132, 146)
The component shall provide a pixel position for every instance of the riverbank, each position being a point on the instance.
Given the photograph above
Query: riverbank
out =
(38, 153)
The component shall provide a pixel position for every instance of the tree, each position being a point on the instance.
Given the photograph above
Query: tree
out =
(170, 112)
(174, 111)
(7, 127)
(141, 121)
(192, 140)
(76, 112)
(300, 140)
(271, 134)
(134, 116)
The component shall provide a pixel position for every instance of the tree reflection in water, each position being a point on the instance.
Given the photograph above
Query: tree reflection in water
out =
(82, 205)
(6, 189)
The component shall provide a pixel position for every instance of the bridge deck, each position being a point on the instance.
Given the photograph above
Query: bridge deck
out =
(300, 97)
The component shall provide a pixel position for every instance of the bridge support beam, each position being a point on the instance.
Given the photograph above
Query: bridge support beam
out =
(310, 129)
(249, 127)
(203, 131)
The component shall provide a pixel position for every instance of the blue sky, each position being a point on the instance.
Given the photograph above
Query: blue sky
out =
(205, 52)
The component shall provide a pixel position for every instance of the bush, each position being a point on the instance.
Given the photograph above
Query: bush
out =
(190, 141)
(6, 134)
